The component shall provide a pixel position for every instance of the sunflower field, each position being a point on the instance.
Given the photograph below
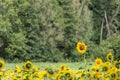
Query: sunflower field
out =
(100, 70)
(86, 32)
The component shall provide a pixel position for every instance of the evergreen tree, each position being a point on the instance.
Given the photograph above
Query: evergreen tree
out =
(13, 36)
(50, 30)
(29, 16)
(71, 25)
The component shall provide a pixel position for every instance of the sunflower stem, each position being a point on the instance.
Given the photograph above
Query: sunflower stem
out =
(85, 61)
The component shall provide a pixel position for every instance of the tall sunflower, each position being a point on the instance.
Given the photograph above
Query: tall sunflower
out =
(81, 47)
(2, 64)
(28, 65)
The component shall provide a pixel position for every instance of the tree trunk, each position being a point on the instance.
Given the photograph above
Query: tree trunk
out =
(107, 24)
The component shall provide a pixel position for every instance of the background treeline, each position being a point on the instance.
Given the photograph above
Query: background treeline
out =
(48, 30)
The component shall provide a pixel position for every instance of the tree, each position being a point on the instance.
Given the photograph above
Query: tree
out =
(103, 12)
(71, 26)
(13, 36)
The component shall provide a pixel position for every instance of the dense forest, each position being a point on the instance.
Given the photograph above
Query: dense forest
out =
(48, 30)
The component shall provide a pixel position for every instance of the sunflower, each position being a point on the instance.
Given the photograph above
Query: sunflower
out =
(97, 76)
(88, 75)
(50, 71)
(109, 57)
(36, 68)
(81, 47)
(28, 65)
(105, 67)
(113, 69)
(2, 64)
(113, 75)
(69, 74)
(118, 72)
(95, 68)
(107, 63)
(63, 67)
(61, 77)
(98, 61)
(117, 64)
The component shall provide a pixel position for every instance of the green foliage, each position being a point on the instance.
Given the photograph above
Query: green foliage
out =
(99, 18)
(48, 30)
(12, 33)
(17, 48)
(109, 45)
(112, 43)
(104, 25)
(71, 25)
(29, 16)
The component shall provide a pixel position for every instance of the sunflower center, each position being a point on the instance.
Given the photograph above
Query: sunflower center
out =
(67, 74)
(105, 68)
(62, 78)
(113, 75)
(50, 71)
(110, 57)
(81, 47)
(62, 68)
(83, 75)
(88, 75)
(98, 62)
(97, 70)
(28, 65)
(118, 65)
(0, 64)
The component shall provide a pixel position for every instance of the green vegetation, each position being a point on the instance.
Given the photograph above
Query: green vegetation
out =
(43, 66)
(48, 30)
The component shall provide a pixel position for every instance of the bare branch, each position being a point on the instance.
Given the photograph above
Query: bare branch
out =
(107, 24)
